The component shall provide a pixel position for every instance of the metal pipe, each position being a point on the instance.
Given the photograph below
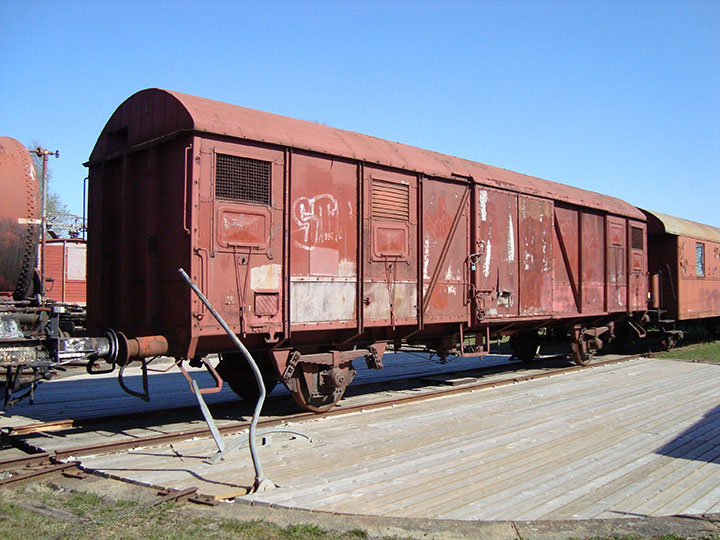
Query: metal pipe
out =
(84, 226)
(41, 152)
(261, 481)
(43, 223)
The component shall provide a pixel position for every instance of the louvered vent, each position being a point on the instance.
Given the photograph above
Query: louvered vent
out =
(240, 179)
(390, 200)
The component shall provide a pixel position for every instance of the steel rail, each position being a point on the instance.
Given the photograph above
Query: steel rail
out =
(37, 474)
(166, 438)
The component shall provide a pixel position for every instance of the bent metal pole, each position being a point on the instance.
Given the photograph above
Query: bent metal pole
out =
(261, 483)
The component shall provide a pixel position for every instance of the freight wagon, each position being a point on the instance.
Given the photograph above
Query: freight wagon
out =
(321, 246)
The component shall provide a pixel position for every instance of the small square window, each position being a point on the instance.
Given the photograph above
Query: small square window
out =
(636, 237)
(700, 260)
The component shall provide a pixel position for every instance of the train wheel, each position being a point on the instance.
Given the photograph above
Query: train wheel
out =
(525, 345)
(668, 342)
(317, 387)
(580, 355)
(235, 370)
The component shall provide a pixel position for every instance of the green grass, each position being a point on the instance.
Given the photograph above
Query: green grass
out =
(99, 518)
(707, 352)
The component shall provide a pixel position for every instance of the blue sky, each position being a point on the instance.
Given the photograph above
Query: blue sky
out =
(617, 97)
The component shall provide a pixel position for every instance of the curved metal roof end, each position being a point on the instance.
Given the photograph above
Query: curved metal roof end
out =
(167, 111)
(684, 227)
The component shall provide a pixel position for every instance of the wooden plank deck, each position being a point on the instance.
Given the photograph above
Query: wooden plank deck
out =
(636, 438)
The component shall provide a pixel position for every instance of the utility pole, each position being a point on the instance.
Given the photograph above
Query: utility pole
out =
(43, 153)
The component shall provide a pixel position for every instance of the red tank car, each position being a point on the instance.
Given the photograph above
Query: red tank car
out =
(320, 246)
(19, 219)
(684, 264)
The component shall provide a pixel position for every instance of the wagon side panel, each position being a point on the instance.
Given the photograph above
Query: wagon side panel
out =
(566, 270)
(617, 268)
(323, 242)
(445, 244)
(497, 271)
(390, 288)
(238, 245)
(592, 262)
(535, 222)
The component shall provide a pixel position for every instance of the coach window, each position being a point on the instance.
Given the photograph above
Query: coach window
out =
(700, 259)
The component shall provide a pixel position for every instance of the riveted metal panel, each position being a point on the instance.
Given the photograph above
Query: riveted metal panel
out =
(390, 266)
(592, 262)
(535, 233)
(566, 271)
(323, 241)
(497, 272)
(617, 268)
(445, 244)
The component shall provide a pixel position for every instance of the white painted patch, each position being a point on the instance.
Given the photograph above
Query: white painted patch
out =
(265, 277)
(529, 260)
(482, 200)
(404, 300)
(511, 240)
(426, 256)
(486, 260)
(450, 276)
(452, 290)
(322, 301)
(346, 268)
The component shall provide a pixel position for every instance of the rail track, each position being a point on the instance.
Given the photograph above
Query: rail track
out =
(39, 464)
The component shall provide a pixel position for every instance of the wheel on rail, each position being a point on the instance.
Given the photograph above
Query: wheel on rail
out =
(580, 354)
(317, 387)
(235, 370)
(668, 342)
(525, 345)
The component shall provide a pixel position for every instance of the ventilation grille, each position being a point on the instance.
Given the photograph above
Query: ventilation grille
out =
(390, 200)
(242, 180)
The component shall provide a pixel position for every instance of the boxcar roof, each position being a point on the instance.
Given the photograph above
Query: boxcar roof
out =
(662, 223)
(154, 113)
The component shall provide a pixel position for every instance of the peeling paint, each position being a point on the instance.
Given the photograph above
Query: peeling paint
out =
(426, 256)
(505, 298)
(265, 277)
(529, 260)
(482, 200)
(404, 300)
(322, 301)
(452, 290)
(511, 241)
(486, 260)
(346, 268)
(449, 275)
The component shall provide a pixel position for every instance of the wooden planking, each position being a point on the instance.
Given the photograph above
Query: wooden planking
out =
(672, 373)
(641, 436)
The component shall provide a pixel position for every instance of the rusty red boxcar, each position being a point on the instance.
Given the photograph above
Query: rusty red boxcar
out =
(320, 246)
(684, 262)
